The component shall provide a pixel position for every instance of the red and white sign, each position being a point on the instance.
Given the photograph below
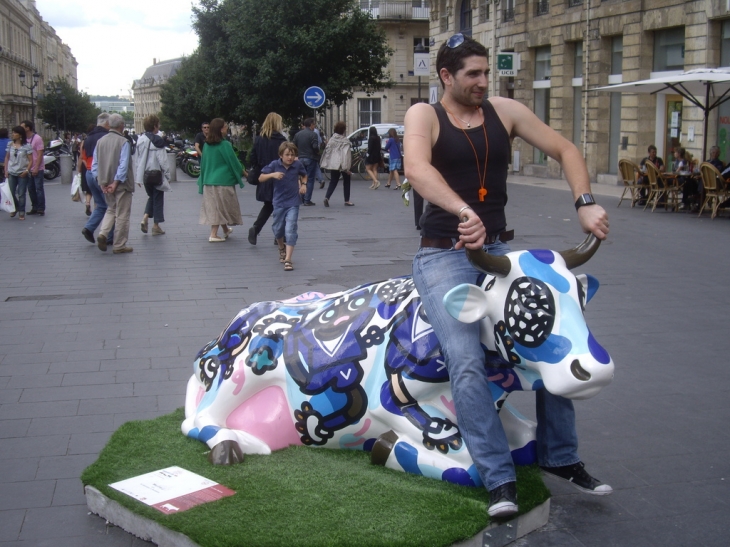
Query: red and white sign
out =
(172, 490)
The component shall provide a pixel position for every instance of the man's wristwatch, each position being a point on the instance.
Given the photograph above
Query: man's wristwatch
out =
(584, 199)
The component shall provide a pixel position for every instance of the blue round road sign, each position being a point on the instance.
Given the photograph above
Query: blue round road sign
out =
(314, 97)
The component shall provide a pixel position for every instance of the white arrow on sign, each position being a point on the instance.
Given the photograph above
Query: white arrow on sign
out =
(317, 97)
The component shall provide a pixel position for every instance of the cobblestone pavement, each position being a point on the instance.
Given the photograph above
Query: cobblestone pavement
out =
(90, 340)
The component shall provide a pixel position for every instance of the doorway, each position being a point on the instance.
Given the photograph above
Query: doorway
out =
(672, 128)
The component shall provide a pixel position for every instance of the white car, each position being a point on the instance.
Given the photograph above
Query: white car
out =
(359, 138)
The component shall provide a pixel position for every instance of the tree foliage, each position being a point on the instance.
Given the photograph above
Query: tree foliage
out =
(79, 111)
(259, 56)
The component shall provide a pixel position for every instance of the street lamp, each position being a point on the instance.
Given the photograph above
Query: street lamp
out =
(63, 102)
(36, 77)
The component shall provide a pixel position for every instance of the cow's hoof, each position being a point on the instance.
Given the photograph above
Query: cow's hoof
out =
(383, 447)
(225, 453)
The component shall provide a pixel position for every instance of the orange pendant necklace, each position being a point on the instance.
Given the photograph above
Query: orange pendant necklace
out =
(481, 173)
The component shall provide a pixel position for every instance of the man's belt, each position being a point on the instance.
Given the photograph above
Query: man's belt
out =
(448, 243)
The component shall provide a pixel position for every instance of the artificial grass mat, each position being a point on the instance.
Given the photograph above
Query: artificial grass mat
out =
(300, 496)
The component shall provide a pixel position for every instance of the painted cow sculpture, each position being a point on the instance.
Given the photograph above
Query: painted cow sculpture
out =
(362, 369)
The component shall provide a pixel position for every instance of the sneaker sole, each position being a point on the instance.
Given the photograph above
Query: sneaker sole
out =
(502, 509)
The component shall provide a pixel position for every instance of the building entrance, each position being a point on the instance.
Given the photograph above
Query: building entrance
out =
(672, 128)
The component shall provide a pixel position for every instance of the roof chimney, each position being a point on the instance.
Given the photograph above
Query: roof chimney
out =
(154, 61)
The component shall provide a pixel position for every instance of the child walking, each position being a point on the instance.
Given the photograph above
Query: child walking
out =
(290, 180)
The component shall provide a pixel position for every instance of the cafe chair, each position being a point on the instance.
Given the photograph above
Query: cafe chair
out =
(630, 174)
(716, 191)
(657, 187)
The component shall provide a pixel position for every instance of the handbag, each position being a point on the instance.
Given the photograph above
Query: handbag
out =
(153, 177)
(7, 203)
(76, 188)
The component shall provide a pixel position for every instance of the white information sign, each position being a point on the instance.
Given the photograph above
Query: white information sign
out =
(172, 490)
(421, 64)
(433, 95)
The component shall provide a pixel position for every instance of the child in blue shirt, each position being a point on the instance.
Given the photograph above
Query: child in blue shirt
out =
(290, 180)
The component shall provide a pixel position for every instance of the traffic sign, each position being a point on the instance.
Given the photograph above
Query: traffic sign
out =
(508, 64)
(314, 97)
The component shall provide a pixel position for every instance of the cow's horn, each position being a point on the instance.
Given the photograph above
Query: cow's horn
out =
(582, 253)
(490, 264)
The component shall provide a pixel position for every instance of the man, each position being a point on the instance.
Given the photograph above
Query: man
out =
(715, 158)
(658, 163)
(200, 139)
(308, 144)
(113, 169)
(87, 156)
(37, 167)
(446, 162)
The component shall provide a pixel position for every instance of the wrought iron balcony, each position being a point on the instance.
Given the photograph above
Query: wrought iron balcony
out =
(395, 10)
(508, 15)
(542, 7)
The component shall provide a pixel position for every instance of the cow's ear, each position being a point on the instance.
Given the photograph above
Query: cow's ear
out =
(590, 285)
(466, 303)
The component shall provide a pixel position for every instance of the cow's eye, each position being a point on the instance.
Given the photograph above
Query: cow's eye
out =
(529, 311)
(327, 316)
(355, 304)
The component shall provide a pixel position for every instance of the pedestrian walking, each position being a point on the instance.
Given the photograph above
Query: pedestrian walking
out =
(265, 150)
(18, 164)
(4, 140)
(153, 172)
(337, 157)
(393, 147)
(112, 167)
(372, 162)
(220, 171)
(307, 143)
(87, 163)
(290, 181)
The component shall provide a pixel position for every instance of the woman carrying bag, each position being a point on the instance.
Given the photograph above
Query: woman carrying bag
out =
(337, 157)
(265, 150)
(154, 171)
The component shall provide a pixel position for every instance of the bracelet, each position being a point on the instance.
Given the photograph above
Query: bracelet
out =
(464, 208)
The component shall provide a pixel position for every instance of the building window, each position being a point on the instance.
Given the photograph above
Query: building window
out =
(509, 11)
(614, 128)
(573, 3)
(465, 18)
(484, 10)
(541, 87)
(578, 95)
(669, 49)
(542, 63)
(420, 45)
(369, 111)
(542, 7)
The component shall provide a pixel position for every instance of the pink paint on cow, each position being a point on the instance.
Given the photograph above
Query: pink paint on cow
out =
(449, 404)
(238, 378)
(364, 428)
(267, 417)
(199, 396)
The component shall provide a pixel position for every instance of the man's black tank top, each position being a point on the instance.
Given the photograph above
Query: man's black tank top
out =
(453, 157)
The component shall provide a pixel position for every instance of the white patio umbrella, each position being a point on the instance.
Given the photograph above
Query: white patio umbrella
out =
(706, 88)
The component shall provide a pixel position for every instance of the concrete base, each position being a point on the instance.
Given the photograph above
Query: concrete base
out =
(608, 179)
(494, 535)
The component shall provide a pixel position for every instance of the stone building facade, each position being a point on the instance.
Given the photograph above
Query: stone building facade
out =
(28, 44)
(406, 26)
(147, 89)
(568, 47)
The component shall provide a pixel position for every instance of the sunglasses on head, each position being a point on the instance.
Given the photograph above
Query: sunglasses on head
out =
(455, 41)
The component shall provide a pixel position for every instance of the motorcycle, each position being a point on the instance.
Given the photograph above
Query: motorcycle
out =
(51, 155)
(187, 160)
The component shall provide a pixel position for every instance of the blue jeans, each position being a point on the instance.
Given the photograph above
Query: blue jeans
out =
(36, 192)
(285, 224)
(435, 272)
(18, 186)
(99, 206)
(311, 166)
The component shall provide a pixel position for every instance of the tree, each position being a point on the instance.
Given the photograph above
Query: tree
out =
(63, 107)
(259, 56)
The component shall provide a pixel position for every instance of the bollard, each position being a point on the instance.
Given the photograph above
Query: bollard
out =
(67, 171)
(171, 162)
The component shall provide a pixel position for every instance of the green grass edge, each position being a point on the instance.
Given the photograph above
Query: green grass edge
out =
(300, 495)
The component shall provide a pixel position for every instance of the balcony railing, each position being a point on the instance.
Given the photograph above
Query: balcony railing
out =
(397, 10)
(542, 7)
(573, 3)
(508, 15)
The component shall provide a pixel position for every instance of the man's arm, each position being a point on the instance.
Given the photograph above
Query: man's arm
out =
(37, 146)
(521, 122)
(421, 132)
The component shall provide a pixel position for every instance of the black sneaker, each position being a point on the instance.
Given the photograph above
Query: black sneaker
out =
(88, 234)
(252, 235)
(580, 478)
(32, 212)
(503, 501)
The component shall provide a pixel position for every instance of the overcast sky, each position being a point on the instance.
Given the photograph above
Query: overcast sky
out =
(114, 41)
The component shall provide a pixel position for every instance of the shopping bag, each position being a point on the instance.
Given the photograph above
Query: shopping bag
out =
(76, 188)
(7, 204)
